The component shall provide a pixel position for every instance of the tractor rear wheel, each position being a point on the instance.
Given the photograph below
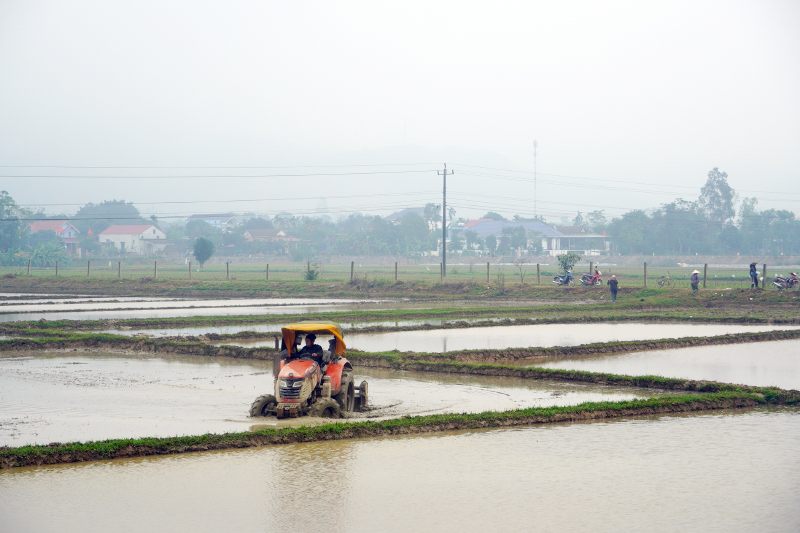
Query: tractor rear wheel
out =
(263, 405)
(325, 408)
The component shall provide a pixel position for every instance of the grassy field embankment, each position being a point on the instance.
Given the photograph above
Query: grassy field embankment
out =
(56, 453)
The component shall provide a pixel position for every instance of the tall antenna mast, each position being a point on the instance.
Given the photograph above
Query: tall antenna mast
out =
(535, 146)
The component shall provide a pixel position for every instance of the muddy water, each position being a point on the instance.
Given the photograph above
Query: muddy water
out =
(273, 328)
(762, 364)
(730, 471)
(544, 335)
(173, 308)
(62, 398)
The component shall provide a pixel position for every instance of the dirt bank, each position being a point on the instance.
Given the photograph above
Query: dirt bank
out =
(56, 453)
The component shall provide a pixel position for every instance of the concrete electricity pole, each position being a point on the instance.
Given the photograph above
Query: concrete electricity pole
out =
(443, 174)
(535, 145)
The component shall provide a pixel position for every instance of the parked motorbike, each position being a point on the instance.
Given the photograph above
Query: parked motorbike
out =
(786, 283)
(566, 279)
(592, 280)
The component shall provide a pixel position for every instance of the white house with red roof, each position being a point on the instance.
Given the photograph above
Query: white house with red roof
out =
(140, 239)
(65, 230)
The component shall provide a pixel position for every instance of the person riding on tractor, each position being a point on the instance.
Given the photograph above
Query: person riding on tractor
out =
(310, 350)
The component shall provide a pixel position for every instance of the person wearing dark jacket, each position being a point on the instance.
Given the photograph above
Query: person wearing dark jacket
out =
(612, 286)
(753, 275)
(695, 281)
(314, 351)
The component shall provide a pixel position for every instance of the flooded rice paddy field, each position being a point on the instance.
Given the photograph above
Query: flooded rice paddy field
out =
(65, 397)
(540, 335)
(139, 308)
(773, 363)
(724, 471)
(272, 328)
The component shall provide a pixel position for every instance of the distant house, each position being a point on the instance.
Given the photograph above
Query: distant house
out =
(140, 239)
(65, 230)
(555, 239)
(222, 221)
(399, 215)
(268, 235)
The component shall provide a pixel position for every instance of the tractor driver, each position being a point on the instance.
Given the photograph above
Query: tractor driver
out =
(314, 351)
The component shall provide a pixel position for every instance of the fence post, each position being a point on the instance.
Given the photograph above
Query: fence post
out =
(56, 268)
(705, 274)
(591, 268)
(645, 275)
(538, 274)
(487, 272)
(190, 270)
(29, 267)
(764, 275)
(155, 269)
(441, 272)
(119, 270)
(88, 268)
(395, 270)
(227, 270)
(267, 271)
(352, 269)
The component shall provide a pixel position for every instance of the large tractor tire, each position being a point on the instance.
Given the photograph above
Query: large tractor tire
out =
(347, 392)
(263, 405)
(325, 408)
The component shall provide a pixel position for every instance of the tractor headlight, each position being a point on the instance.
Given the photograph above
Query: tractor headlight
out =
(284, 383)
(298, 384)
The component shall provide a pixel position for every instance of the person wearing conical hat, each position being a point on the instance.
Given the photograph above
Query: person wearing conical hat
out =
(695, 281)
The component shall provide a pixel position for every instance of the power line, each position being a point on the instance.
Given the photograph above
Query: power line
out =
(321, 174)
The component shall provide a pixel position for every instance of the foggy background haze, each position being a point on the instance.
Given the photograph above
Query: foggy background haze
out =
(653, 94)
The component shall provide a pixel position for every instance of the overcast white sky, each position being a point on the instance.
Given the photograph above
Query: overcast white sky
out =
(651, 93)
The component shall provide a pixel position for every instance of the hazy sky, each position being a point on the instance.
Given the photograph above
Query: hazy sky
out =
(621, 96)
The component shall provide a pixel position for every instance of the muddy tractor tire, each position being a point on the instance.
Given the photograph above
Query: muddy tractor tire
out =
(362, 400)
(264, 405)
(325, 408)
(347, 393)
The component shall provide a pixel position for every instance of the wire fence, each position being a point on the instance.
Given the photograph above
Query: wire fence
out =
(628, 276)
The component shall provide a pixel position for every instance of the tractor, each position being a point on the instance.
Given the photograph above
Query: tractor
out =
(315, 383)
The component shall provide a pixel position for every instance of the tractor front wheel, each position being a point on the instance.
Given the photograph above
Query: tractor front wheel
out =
(263, 405)
(325, 408)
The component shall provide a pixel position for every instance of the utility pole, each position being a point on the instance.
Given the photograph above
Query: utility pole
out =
(443, 174)
(535, 146)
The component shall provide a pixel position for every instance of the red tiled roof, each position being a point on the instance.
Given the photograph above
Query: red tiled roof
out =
(126, 230)
(473, 222)
(52, 225)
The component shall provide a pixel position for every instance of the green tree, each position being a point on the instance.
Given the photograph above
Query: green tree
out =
(568, 261)
(491, 243)
(491, 215)
(98, 217)
(12, 227)
(717, 198)
(578, 220)
(203, 249)
(597, 221)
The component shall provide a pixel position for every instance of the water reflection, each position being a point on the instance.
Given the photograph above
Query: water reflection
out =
(736, 471)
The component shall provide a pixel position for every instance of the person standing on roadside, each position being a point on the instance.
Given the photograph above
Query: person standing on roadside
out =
(753, 275)
(695, 281)
(612, 286)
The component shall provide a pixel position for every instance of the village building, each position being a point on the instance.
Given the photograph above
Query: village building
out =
(142, 239)
(63, 228)
(268, 235)
(221, 221)
(554, 240)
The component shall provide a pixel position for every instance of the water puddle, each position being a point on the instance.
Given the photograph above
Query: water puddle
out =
(761, 364)
(725, 471)
(62, 398)
(543, 335)
(271, 328)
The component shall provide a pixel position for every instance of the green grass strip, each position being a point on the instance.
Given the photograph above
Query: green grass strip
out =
(118, 448)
